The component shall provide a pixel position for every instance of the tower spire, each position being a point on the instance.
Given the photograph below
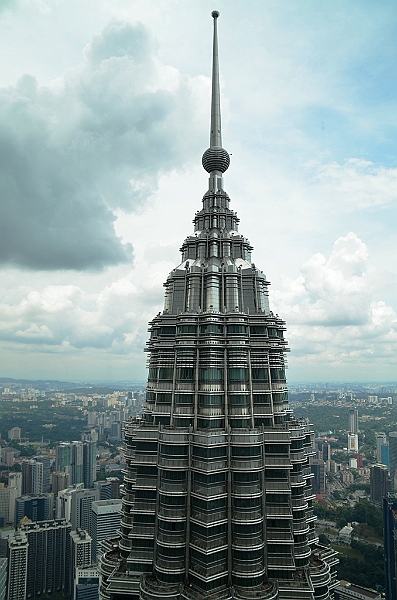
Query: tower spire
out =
(216, 133)
(215, 159)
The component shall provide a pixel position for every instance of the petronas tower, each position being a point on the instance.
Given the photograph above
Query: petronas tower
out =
(217, 492)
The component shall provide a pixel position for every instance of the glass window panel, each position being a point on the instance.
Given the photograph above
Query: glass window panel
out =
(211, 328)
(166, 373)
(261, 374)
(234, 329)
(185, 373)
(211, 374)
(238, 374)
(187, 329)
(258, 330)
(167, 331)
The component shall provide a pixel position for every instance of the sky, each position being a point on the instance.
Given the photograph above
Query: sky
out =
(104, 116)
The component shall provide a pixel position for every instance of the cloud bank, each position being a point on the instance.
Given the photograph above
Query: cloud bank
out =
(335, 319)
(357, 183)
(93, 141)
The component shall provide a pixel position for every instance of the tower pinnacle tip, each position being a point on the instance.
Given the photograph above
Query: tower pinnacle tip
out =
(215, 158)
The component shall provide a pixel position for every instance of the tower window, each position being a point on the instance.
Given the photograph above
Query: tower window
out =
(211, 374)
(260, 374)
(167, 331)
(234, 329)
(187, 329)
(237, 374)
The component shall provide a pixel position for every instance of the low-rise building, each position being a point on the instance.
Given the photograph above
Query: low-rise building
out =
(345, 534)
(351, 591)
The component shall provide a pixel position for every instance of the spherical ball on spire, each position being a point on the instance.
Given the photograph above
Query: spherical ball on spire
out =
(215, 14)
(216, 159)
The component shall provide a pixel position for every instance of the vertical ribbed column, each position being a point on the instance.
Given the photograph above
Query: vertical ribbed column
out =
(212, 284)
(232, 289)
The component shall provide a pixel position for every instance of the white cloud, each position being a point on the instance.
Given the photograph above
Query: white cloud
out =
(357, 183)
(334, 319)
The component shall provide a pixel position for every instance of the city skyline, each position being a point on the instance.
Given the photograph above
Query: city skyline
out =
(308, 114)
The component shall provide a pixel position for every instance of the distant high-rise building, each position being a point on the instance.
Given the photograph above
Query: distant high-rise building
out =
(80, 553)
(390, 544)
(46, 462)
(353, 420)
(79, 460)
(62, 457)
(15, 481)
(116, 430)
(48, 557)
(15, 434)
(326, 451)
(59, 481)
(318, 470)
(381, 440)
(86, 584)
(360, 460)
(33, 507)
(89, 463)
(108, 489)
(385, 456)
(393, 459)
(218, 498)
(353, 462)
(76, 463)
(326, 455)
(352, 442)
(17, 566)
(379, 483)
(3, 577)
(105, 522)
(74, 504)
(7, 503)
(8, 455)
(32, 477)
(91, 419)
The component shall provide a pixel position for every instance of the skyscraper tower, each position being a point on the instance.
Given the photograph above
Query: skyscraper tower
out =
(218, 497)
(381, 441)
(353, 420)
(393, 459)
(390, 544)
(32, 477)
(79, 460)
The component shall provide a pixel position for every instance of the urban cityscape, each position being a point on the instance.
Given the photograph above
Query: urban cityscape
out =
(217, 477)
(61, 501)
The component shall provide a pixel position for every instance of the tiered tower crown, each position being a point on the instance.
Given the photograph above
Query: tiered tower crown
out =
(218, 498)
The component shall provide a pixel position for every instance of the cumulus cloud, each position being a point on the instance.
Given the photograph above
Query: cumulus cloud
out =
(68, 316)
(335, 318)
(333, 291)
(333, 314)
(357, 183)
(93, 141)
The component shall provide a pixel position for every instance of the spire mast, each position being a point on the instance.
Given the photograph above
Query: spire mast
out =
(216, 134)
(215, 159)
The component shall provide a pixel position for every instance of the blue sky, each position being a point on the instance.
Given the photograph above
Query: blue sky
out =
(104, 111)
